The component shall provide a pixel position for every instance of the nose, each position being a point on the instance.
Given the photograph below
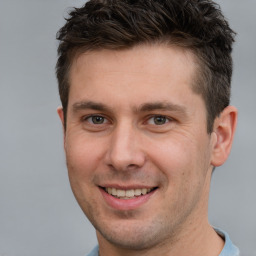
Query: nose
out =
(125, 150)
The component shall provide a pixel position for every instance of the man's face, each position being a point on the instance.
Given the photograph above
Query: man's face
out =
(138, 154)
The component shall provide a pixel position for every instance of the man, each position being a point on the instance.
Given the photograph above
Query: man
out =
(145, 88)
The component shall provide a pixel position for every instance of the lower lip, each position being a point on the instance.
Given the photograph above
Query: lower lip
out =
(126, 204)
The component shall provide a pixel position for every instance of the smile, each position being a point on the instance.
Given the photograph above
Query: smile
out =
(129, 193)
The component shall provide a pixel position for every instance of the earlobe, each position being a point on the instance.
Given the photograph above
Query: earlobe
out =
(61, 115)
(224, 129)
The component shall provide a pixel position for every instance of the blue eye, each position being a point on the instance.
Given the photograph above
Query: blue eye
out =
(158, 120)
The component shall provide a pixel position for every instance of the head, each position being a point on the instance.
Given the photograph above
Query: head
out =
(197, 25)
(145, 89)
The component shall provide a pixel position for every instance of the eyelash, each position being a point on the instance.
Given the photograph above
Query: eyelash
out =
(86, 118)
(154, 117)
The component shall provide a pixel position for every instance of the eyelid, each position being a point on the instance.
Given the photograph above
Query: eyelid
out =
(168, 119)
(86, 117)
(107, 120)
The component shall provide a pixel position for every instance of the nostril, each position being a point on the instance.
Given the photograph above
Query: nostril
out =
(123, 168)
(132, 166)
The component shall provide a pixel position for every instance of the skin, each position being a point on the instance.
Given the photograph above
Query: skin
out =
(153, 134)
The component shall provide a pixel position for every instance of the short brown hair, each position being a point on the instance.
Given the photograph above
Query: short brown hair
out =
(197, 25)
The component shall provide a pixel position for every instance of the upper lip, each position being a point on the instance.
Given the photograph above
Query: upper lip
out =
(126, 187)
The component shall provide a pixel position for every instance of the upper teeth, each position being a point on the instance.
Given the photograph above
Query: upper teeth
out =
(129, 193)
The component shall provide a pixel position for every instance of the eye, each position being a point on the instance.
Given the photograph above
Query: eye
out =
(158, 120)
(96, 119)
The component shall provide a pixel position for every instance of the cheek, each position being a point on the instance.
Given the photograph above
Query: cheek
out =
(173, 155)
(83, 157)
(182, 161)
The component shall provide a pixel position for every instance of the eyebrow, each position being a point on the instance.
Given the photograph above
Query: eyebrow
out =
(146, 107)
(162, 106)
(82, 105)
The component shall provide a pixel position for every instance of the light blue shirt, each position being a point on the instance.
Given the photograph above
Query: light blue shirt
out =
(229, 248)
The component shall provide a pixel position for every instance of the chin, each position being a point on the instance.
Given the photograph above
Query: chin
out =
(132, 241)
(133, 236)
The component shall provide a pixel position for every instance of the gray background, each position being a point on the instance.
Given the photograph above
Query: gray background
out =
(38, 214)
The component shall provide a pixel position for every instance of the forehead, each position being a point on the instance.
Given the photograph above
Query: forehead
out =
(136, 58)
(153, 72)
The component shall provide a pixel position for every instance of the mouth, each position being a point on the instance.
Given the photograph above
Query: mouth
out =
(128, 193)
(123, 199)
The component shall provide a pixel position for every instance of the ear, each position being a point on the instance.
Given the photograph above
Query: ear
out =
(61, 115)
(224, 129)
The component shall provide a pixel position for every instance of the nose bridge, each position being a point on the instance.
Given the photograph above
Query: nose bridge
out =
(125, 150)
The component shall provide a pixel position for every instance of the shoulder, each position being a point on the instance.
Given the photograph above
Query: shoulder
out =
(229, 248)
(94, 252)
